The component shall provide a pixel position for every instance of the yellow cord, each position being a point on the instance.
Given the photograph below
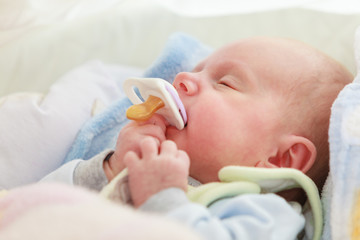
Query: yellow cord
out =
(355, 234)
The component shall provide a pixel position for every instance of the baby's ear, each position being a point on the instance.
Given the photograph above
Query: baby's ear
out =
(294, 152)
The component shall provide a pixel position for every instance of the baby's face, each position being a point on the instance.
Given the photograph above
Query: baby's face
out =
(233, 106)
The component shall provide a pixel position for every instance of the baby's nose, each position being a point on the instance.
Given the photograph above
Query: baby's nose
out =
(186, 83)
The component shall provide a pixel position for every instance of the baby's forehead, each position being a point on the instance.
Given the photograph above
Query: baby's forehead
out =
(276, 61)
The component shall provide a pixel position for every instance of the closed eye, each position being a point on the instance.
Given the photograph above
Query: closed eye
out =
(226, 84)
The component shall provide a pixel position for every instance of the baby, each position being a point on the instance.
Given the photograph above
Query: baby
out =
(259, 102)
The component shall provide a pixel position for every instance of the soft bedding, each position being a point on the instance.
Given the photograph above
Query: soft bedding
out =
(341, 192)
(37, 130)
(55, 57)
(40, 40)
(61, 212)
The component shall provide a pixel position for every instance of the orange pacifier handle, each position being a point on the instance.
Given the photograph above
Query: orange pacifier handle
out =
(145, 110)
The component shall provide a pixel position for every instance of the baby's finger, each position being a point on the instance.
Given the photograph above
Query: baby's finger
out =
(131, 158)
(168, 147)
(154, 131)
(149, 147)
(156, 120)
(183, 156)
(145, 130)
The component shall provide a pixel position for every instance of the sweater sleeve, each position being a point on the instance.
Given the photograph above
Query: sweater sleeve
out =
(90, 173)
(86, 173)
(249, 216)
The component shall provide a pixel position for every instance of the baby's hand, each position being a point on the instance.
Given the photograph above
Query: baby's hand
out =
(156, 169)
(129, 140)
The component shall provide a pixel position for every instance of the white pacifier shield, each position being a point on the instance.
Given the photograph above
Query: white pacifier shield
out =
(156, 87)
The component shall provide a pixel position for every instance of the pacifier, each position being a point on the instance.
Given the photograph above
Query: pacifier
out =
(157, 95)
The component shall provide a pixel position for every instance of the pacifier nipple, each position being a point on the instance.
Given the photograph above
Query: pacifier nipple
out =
(145, 110)
(161, 97)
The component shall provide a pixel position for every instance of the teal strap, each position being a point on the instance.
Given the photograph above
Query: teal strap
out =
(206, 194)
(237, 180)
(278, 179)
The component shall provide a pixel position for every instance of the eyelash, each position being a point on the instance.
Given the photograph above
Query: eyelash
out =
(224, 83)
(221, 82)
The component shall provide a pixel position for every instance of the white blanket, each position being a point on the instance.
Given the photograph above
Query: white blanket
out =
(341, 192)
(37, 130)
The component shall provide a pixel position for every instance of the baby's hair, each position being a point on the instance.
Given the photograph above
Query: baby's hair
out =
(311, 98)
